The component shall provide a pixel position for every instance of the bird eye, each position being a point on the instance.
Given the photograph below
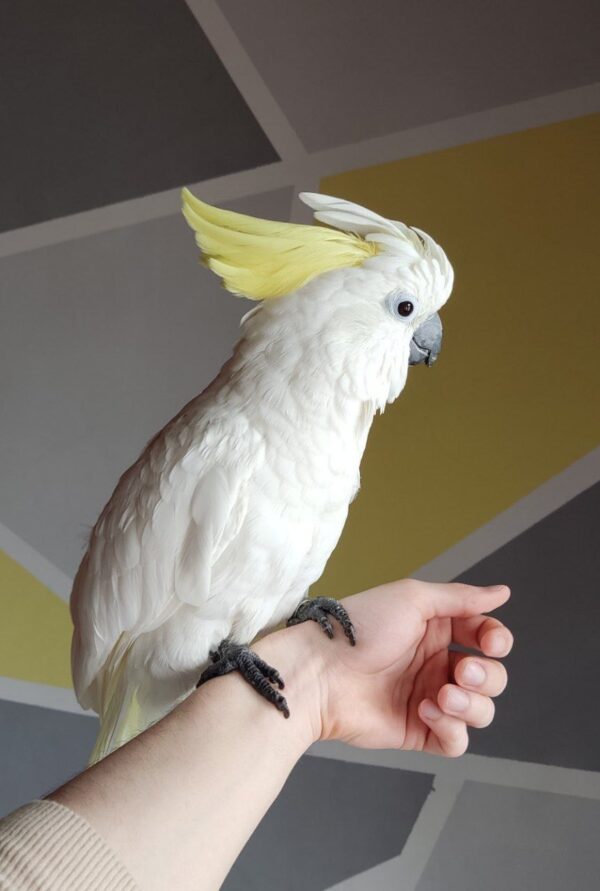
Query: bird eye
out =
(401, 304)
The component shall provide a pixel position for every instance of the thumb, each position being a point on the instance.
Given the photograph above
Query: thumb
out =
(454, 599)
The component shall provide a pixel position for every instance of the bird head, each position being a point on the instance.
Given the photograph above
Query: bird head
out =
(358, 297)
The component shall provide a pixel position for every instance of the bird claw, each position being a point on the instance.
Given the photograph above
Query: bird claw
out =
(259, 674)
(319, 609)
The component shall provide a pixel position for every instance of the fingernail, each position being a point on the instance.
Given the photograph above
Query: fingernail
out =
(456, 700)
(430, 711)
(473, 673)
(495, 589)
(497, 641)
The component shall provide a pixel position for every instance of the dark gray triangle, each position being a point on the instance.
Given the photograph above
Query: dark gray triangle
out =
(343, 74)
(549, 712)
(332, 820)
(108, 101)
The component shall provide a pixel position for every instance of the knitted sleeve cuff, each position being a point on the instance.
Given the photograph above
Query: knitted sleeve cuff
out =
(45, 846)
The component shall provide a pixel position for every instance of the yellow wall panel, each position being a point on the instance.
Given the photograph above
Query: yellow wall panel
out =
(514, 396)
(35, 628)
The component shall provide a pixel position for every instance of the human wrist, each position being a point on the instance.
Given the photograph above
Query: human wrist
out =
(298, 654)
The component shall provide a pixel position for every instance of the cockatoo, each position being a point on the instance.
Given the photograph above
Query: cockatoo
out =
(231, 512)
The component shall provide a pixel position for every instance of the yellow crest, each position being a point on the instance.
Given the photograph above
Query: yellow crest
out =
(263, 259)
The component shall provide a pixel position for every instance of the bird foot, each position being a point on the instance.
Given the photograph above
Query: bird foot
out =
(230, 656)
(319, 609)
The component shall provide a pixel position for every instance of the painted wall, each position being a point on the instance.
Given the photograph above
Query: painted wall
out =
(481, 127)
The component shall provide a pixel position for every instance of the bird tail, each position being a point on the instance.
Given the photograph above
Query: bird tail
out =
(120, 714)
(130, 698)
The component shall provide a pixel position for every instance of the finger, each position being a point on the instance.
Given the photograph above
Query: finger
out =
(472, 708)
(483, 633)
(448, 736)
(485, 676)
(454, 599)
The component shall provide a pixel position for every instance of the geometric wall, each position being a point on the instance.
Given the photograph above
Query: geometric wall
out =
(314, 835)
(97, 88)
(106, 337)
(478, 124)
(553, 569)
(512, 404)
(528, 840)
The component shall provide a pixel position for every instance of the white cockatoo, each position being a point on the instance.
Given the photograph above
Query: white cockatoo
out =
(231, 512)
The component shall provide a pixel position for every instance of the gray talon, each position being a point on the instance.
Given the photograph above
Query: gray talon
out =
(319, 609)
(236, 657)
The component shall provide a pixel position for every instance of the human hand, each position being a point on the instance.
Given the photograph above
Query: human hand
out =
(401, 687)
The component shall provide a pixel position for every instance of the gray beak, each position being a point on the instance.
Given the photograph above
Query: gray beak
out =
(427, 342)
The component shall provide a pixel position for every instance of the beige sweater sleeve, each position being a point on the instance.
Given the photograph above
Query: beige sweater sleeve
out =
(45, 846)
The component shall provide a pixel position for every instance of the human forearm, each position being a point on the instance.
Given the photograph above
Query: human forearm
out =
(179, 802)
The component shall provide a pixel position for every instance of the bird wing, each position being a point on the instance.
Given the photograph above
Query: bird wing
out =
(215, 515)
(156, 543)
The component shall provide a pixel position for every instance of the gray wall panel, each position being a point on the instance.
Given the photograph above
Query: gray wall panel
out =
(345, 70)
(103, 339)
(104, 101)
(547, 713)
(332, 820)
(503, 839)
(40, 749)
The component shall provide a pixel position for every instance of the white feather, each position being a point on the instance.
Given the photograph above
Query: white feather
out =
(346, 215)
